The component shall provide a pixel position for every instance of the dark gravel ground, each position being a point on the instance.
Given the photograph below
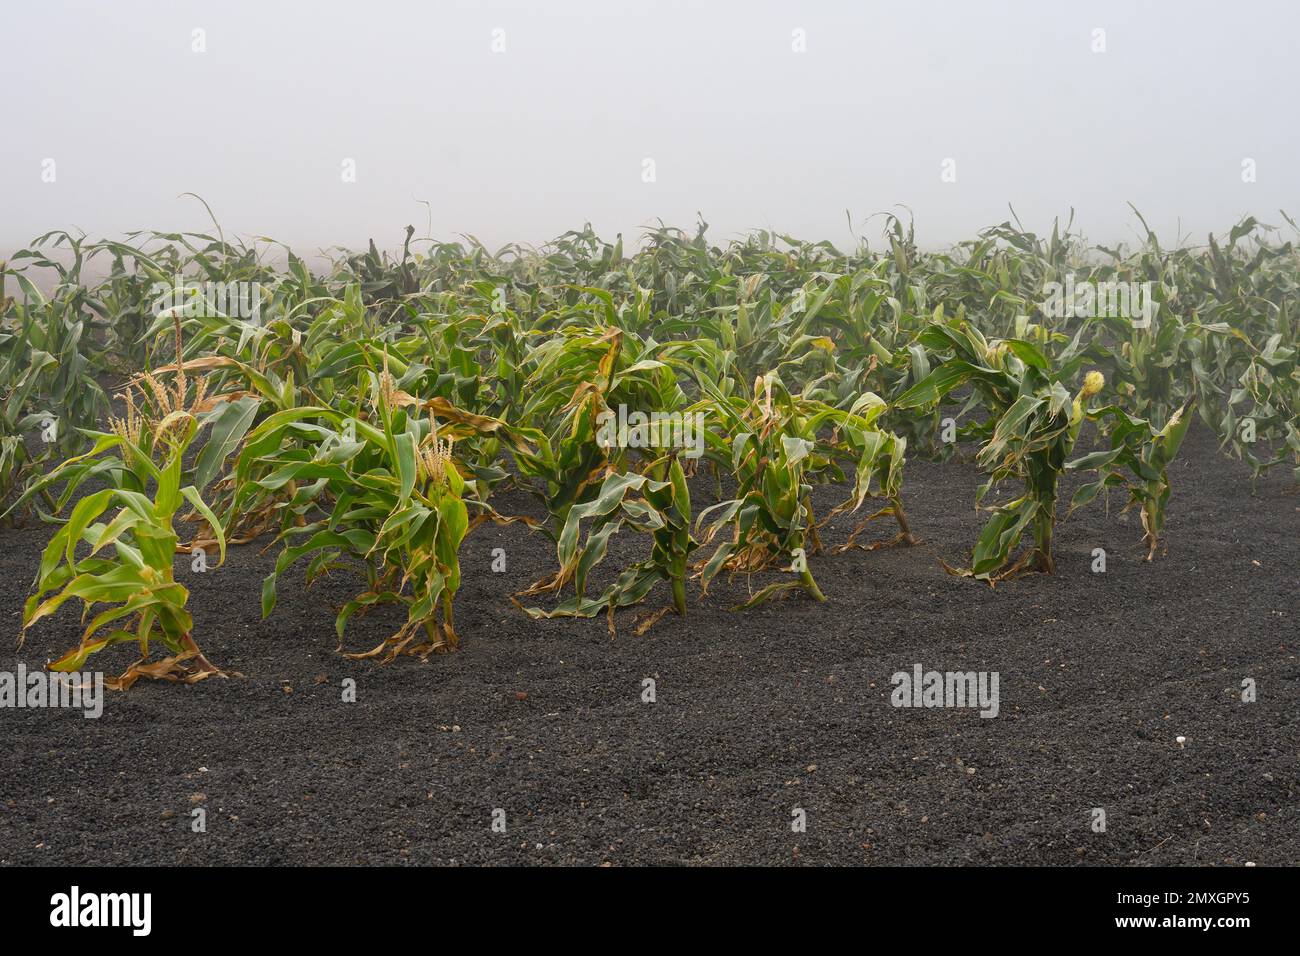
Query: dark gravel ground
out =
(757, 713)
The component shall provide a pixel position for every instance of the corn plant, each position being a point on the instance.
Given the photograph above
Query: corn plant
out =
(47, 372)
(877, 457)
(21, 371)
(770, 517)
(776, 446)
(385, 493)
(1032, 426)
(577, 380)
(663, 510)
(142, 460)
(1138, 459)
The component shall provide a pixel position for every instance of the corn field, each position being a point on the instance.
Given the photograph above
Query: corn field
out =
(203, 393)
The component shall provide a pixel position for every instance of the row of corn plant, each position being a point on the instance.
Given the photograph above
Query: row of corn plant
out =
(370, 411)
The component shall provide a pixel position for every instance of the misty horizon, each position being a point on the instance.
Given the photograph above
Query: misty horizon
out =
(516, 124)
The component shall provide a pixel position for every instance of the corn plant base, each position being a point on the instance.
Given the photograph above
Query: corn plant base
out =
(408, 644)
(188, 667)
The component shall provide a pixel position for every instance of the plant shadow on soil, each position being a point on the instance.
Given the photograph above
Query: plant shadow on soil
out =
(757, 713)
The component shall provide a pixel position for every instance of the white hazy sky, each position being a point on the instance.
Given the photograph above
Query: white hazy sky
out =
(526, 143)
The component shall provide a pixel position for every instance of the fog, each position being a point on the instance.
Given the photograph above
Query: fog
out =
(516, 121)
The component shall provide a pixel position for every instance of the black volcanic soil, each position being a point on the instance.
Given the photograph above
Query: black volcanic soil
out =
(757, 713)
